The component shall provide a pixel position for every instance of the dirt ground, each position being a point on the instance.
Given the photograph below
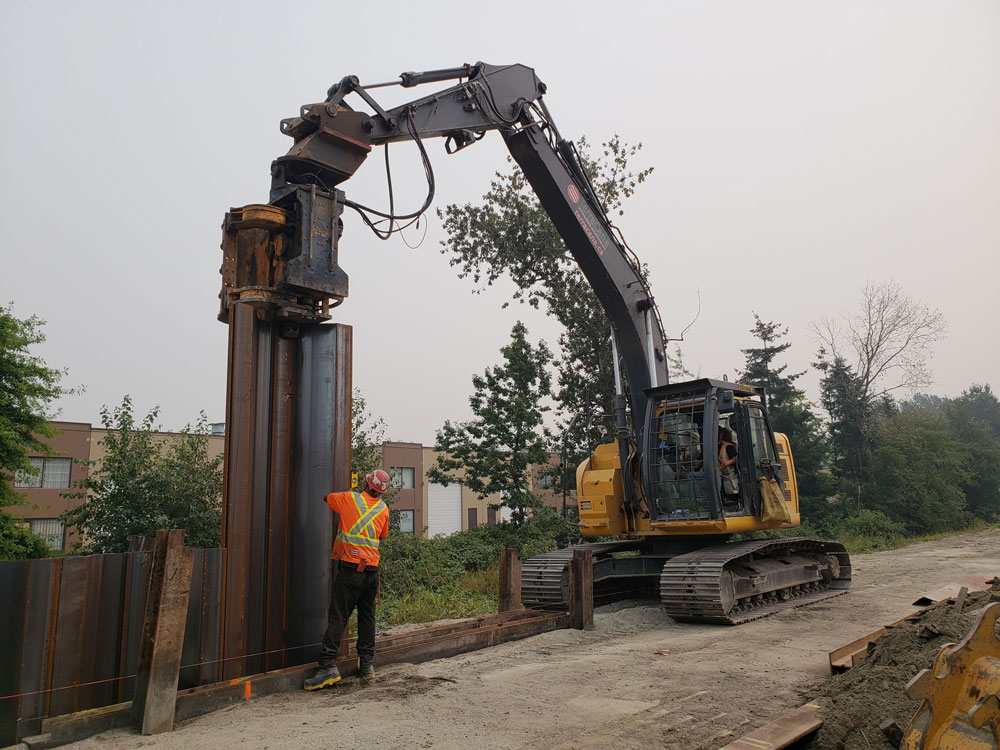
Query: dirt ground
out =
(606, 688)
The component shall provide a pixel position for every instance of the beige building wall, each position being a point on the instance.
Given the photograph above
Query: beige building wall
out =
(475, 511)
(82, 443)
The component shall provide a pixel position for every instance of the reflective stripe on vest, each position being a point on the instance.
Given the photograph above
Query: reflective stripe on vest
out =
(362, 534)
(367, 515)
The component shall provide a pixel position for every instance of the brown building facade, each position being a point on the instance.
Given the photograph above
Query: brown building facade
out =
(418, 505)
(75, 445)
(430, 509)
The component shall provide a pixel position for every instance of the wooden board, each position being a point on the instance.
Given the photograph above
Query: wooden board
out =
(783, 731)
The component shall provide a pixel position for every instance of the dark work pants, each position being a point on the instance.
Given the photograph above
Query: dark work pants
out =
(351, 589)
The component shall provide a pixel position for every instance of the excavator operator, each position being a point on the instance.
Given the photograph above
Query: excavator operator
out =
(727, 461)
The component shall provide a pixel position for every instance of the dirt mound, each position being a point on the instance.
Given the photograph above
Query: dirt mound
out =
(857, 701)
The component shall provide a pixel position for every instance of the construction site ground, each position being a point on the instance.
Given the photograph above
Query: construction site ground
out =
(638, 680)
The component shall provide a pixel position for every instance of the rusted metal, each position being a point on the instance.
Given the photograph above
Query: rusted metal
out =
(322, 462)
(277, 579)
(74, 645)
(237, 485)
(433, 641)
(283, 258)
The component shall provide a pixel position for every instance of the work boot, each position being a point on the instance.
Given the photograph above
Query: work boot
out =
(323, 677)
(366, 672)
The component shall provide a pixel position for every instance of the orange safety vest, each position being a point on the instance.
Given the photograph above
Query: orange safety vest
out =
(363, 521)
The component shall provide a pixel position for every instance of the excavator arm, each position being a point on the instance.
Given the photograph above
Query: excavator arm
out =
(332, 140)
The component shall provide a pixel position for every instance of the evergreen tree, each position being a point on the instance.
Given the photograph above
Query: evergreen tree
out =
(850, 415)
(27, 389)
(492, 452)
(787, 407)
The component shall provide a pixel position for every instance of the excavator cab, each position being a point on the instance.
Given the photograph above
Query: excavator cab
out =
(710, 445)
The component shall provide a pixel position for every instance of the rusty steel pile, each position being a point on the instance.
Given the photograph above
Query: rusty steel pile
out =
(287, 424)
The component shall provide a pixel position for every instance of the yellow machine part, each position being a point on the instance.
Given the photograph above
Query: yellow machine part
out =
(599, 493)
(600, 500)
(960, 694)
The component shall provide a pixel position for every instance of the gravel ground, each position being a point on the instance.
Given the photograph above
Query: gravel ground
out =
(606, 688)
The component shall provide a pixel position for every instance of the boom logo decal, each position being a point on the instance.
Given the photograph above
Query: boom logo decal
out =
(573, 193)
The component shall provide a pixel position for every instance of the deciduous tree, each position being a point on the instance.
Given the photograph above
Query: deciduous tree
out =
(509, 234)
(27, 389)
(147, 482)
(868, 356)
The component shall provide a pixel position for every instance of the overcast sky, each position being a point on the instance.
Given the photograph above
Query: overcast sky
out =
(800, 149)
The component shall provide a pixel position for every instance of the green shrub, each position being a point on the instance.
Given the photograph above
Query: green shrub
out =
(409, 563)
(457, 575)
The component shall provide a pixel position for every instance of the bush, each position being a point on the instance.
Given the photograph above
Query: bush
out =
(872, 523)
(409, 563)
(457, 575)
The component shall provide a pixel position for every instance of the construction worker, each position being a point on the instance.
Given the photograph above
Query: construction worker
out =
(364, 520)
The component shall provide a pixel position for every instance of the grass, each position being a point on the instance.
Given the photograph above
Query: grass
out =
(860, 544)
(473, 594)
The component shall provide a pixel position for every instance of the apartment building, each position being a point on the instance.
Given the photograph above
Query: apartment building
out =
(427, 508)
(419, 506)
(75, 445)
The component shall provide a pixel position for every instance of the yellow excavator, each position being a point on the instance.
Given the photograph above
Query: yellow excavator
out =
(692, 463)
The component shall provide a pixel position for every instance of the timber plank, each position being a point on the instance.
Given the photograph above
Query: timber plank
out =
(783, 731)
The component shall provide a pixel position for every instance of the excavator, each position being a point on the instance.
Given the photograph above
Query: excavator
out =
(692, 463)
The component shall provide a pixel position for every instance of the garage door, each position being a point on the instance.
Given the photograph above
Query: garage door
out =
(444, 509)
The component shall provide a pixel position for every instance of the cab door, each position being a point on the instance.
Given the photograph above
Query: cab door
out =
(758, 454)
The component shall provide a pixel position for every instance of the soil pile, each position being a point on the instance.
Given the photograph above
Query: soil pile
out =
(857, 701)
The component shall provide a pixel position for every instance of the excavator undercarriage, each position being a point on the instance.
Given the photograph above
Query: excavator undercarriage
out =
(728, 583)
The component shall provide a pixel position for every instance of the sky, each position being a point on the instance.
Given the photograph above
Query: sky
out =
(800, 150)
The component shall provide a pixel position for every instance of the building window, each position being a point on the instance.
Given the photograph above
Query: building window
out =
(402, 520)
(48, 472)
(546, 481)
(401, 477)
(50, 529)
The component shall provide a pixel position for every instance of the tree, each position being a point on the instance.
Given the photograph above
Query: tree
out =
(889, 340)
(27, 389)
(510, 234)
(974, 419)
(492, 452)
(917, 470)
(367, 436)
(789, 410)
(865, 358)
(145, 483)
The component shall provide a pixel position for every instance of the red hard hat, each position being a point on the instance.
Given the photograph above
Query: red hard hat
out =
(377, 481)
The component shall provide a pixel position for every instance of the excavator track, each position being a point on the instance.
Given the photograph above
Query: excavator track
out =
(743, 581)
(545, 577)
